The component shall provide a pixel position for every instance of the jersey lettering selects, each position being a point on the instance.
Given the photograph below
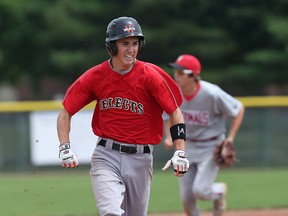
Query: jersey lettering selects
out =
(120, 103)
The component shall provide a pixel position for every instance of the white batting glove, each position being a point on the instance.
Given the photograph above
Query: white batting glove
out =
(67, 157)
(179, 162)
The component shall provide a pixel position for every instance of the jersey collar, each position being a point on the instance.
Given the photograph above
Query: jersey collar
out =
(190, 97)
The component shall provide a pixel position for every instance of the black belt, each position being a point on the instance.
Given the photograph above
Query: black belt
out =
(124, 148)
(203, 140)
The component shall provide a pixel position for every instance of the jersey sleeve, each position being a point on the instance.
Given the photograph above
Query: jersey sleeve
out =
(165, 90)
(227, 104)
(78, 95)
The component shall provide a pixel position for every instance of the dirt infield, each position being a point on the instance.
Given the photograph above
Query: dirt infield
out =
(260, 212)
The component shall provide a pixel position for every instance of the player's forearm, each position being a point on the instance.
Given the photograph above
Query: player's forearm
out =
(167, 129)
(179, 144)
(63, 126)
(235, 124)
(177, 118)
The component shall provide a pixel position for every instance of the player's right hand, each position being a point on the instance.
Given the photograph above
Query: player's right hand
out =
(67, 157)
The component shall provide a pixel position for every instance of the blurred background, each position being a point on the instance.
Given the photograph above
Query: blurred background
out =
(45, 45)
(242, 45)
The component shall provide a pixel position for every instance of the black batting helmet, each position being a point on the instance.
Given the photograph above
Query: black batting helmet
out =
(123, 27)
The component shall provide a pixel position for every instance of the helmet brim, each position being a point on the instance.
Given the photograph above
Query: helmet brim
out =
(118, 37)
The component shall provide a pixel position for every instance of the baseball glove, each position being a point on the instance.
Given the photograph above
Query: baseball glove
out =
(225, 155)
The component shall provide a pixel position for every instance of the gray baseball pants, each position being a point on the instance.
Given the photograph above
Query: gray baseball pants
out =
(120, 181)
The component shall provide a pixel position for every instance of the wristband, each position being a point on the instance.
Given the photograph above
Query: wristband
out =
(178, 132)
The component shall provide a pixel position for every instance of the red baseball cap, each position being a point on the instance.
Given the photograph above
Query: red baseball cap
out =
(188, 63)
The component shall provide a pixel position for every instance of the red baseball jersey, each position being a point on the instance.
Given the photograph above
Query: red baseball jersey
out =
(129, 107)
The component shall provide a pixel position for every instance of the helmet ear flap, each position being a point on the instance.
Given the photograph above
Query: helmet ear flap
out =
(111, 48)
(141, 45)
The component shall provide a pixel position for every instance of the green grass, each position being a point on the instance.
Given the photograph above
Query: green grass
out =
(253, 189)
(68, 193)
(46, 194)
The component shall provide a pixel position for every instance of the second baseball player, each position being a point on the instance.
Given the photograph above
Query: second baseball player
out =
(205, 109)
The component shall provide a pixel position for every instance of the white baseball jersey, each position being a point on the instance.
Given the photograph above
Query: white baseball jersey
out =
(205, 113)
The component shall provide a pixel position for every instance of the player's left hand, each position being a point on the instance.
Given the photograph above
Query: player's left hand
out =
(67, 157)
(180, 163)
(224, 154)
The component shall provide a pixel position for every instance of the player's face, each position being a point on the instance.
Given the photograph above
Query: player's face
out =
(182, 79)
(127, 52)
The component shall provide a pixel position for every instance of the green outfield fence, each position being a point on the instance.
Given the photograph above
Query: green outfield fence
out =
(261, 141)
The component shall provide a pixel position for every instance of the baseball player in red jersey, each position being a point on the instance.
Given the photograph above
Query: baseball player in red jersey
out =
(205, 109)
(131, 96)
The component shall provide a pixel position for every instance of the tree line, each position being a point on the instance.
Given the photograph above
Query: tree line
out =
(242, 45)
